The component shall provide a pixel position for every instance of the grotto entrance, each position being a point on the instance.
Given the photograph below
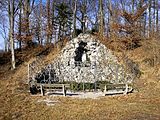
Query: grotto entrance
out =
(80, 51)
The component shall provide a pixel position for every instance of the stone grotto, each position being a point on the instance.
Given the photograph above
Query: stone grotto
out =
(85, 59)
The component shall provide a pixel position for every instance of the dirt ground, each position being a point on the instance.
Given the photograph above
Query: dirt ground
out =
(16, 103)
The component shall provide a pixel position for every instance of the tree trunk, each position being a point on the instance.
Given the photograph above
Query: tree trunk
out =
(141, 21)
(11, 30)
(150, 22)
(40, 22)
(154, 16)
(6, 45)
(111, 17)
(27, 24)
(133, 6)
(20, 23)
(157, 16)
(53, 18)
(48, 22)
(9, 15)
(101, 18)
(108, 18)
(83, 19)
(74, 18)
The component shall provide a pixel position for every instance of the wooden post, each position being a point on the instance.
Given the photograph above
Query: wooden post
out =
(64, 90)
(42, 90)
(28, 73)
(105, 88)
(72, 87)
(83, 87)
(126, 90)
(95, 86)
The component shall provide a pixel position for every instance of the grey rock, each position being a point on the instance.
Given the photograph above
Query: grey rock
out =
(98, 62)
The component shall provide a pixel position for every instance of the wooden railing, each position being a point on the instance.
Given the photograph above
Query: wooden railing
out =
(44, 87)
(111, 89)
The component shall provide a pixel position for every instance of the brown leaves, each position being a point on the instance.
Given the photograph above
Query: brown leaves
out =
(139, 13)
(130, 27)
(132, 18)
(127, 16)
(24, 38)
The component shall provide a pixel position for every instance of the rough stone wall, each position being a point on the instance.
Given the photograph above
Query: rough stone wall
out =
(85, 59)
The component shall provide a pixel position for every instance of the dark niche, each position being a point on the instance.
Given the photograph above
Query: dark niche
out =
(80, 51)
(47, 76)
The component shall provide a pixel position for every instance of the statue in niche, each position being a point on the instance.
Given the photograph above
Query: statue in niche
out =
(80, 51)
(84, 57)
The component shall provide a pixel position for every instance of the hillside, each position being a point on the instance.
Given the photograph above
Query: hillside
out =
(17, 103)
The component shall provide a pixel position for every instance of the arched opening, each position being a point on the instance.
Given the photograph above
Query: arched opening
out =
(80, 50)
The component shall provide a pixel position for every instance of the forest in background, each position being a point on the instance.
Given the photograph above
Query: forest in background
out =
(28, 23)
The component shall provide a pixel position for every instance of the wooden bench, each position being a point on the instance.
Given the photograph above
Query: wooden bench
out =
(111, 89)
(44, 87)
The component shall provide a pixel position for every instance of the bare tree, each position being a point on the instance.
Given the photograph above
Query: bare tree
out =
(157, 19)
(101, 18)
(133, 1)
(83, 11)
(3, 25)
(40, 20)
(48, 30)
(11, 12)
(74, 17)
(150, 21)
(53, 21)
(27, 8)
(3, 32)
(20, 25)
